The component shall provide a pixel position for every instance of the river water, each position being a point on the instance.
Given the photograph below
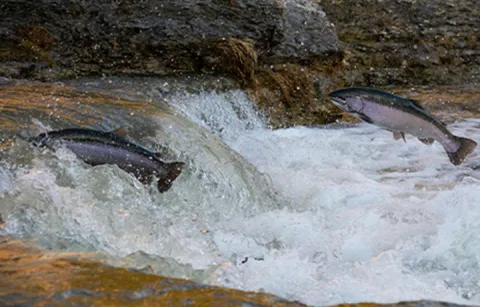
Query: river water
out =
(322, 215)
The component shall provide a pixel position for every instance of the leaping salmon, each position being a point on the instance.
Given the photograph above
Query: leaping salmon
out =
(400, 115)
(97, 147)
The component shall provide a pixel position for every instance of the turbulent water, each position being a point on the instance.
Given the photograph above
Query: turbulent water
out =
(358, 216)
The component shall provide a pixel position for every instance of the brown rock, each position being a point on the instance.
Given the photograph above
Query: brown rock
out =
(37, 277)
(68, 279)
(157, 37)
(432, 42)
(292, 94)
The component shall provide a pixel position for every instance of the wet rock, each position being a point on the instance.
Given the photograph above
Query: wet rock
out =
(55, 40)
(156, 37)
(307, 34)
(398, 43)
(292, 94)
(65, 279)
(69, 279)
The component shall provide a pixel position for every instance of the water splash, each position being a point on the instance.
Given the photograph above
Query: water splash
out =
(58, 198)
(374, 219)
(370, 219)
(226, 114)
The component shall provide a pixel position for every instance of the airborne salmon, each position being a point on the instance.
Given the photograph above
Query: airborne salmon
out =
(98, 147)
(401, 115)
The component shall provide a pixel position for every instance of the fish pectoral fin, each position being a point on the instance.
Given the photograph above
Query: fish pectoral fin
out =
(364, 117)
(427, 141)
(399, 135)
(122, 131)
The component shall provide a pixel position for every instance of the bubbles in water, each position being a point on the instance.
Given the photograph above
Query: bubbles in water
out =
(227, 114)
(62, 200)
(366, 231)
(370, 219)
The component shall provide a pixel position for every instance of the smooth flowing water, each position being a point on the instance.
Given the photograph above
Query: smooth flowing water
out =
(334, 214)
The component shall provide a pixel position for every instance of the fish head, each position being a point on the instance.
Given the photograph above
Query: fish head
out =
(346, 101)
(39, 140)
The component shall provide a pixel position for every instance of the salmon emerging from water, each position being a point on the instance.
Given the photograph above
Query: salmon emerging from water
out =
(401, 115)
(98, 147)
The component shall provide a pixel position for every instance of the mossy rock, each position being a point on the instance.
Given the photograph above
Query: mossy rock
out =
(292, 94)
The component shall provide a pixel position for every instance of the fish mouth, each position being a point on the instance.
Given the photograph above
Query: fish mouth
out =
(339, 102)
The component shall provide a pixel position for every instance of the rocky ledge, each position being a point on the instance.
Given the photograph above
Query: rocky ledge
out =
(249, 40)
(52, 39)
(285, 53)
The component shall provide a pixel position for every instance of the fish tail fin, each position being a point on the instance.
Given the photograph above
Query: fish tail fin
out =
(174, 169)
(467, 146)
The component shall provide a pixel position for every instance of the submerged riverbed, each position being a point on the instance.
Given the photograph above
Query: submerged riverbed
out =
(322, 215)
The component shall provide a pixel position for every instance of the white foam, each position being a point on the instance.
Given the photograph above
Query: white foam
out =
(375, 219)
(226, 114)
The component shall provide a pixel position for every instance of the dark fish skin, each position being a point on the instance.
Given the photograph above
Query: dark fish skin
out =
(400, 115)
(97, 147)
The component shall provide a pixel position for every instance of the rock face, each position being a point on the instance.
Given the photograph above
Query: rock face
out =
(307, 33)
(51, 39)
(408, 42)
(286, 52)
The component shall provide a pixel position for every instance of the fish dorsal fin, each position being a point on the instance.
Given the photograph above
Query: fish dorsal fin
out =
(417, 104)
(122, 131)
